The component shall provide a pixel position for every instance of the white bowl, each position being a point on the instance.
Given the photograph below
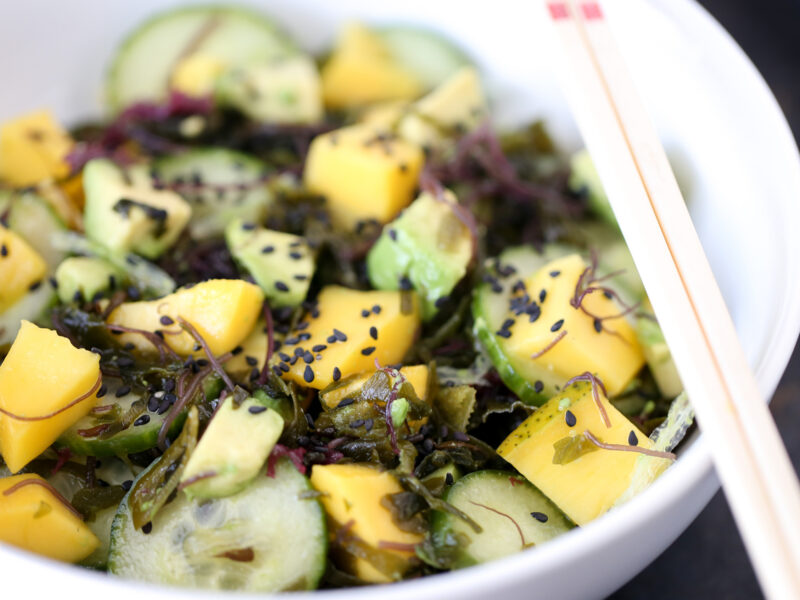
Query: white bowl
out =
(722, 128)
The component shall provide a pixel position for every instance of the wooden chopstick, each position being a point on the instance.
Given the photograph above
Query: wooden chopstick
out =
(751, 461)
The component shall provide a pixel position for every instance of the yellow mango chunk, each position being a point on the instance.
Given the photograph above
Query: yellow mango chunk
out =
(353, 492)
(416, 375)
(349, 344)
(363, 174)
(20, 268)
(196, 74)
(33, 518)
(223, 311)
(612, 354)
(42, 373)
(361, 71)
(586, 487)
(33, 148)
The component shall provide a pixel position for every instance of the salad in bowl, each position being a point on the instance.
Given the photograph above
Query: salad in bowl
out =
(287, 322)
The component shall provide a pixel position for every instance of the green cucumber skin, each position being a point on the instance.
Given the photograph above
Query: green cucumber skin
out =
(112, 94)
(117, 561)
(445, 526)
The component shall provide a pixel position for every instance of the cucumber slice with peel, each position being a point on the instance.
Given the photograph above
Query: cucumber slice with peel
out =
(427, 54)
(269, 537)
(33, 306)
(142, 68)
(512, 514)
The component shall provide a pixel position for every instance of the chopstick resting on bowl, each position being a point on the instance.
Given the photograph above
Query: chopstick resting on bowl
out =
(750, 459)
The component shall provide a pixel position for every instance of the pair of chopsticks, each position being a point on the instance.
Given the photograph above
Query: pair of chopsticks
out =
(748, 453)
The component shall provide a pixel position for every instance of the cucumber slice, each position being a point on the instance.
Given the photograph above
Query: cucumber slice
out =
(33, 306)
(32, 217)
(220, 184)
(489, 310)
(142, 68)
(268, 538)
(427, 54)
(512, 513)
(143, 414)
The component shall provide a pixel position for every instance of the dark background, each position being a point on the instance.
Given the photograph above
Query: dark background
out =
(709, 560)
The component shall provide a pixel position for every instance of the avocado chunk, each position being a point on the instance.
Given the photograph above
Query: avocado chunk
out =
(282, 264)
(125, 213)
(657, 353)
(233, 449)
(83, 277)
(583, 179)
(455, 107)
(552, 450)
(427, 247)
(281, 90)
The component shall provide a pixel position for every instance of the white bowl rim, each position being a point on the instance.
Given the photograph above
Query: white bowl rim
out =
(691, 469)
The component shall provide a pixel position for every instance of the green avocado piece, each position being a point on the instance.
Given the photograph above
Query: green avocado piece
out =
(281, 90)
(427, 247)
(584, 178)
(125, 213)
(232, 450)
(282, 264)
(85, 277)
(657, 353)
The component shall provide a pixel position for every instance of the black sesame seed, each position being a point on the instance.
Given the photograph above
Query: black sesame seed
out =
(331, 339)
(507, 324)
(373, 332)
(299, 351)
(376, 309)
(143, 420)
(165, 320)
(123, 391)
(428, 445)
(295, 255)
(393, 235)
(449, 479)
(541, 517)
(153, 404)
(318, 348)
(284, 367)
(251, 360)
(308, 374)
(405, 284)
(368, 424)
(337, 374)
(77, 296)
(339, 335)
(299, 277)
(127, 484)
(254, 410)
(367, 351)
(557, 325)
(284, 357)
(147, 528)
(133, 293)
(345, 402)
(365, 313)
(357, 423)
(296, 244)
(201, 362)
(277, 370)
(441, 301)
(309, 420)
(128, 346)
(248, 226)
(53, 283)
(36, 285)
(294, 360)
(570, 419)
(281, 287)
(555, 273)
(102, 391)
(4, 250)
(503, 333)
(301, 325)
(632, 439)
(542, 295)
(303, 337)
(267, 249)
(291, 341)
(308, 358)
(608, 294)
(538, 386)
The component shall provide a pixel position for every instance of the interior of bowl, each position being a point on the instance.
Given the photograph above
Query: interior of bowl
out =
(739, 178)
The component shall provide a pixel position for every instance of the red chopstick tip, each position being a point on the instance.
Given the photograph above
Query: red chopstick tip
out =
(592, 11)
(558, 10)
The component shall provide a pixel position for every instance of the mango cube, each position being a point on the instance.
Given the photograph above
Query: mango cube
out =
(416, 375)
(608, 349)
(353, 492)
(223, 311)
(341, 341)
(33, 148)
(589, 484)
(20, 267)
(363, 174)
(33, 518)
(42, 373)
(361, 71)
